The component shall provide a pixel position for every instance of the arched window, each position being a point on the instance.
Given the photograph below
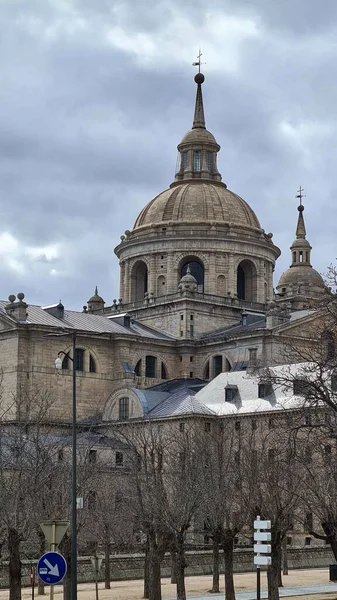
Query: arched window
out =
(79, 359)
(328, 345)
(161, 285)
(206, 370)
(197, 270)
(123, 408)
(217, 365)
(138, 368)
(139, 277)
(221, 285)
(150, 366)
(92, 364)
(246, 281)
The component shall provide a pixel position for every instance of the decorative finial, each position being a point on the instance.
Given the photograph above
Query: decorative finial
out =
(199, 117)
(96, 291)
(300, 195)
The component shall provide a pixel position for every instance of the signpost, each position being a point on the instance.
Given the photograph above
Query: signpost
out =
(52, 567)
(262, 550)
(53, 532)
(96, 562)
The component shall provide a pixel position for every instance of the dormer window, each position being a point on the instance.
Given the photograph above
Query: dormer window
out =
(230, 391)
(265, 389)
(197, 161)
(184, 160)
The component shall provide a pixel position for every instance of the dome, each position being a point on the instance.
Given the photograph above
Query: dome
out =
(300, 274)
(197, 202)
(198, 135)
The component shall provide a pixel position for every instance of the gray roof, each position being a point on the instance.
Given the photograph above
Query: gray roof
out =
(81, 321)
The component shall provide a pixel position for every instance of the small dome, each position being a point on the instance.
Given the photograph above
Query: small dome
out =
(198, 135)
(96, 297)
(188, 282)
(197, 202)
(300, 243)
(300, 274)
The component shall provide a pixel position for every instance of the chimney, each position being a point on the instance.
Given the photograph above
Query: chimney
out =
(252, 360)
(17, 309)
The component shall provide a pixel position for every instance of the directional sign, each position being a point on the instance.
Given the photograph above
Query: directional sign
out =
(258, 524)
(262, 536)
(262, 560)
(262, 548)
(51, 567)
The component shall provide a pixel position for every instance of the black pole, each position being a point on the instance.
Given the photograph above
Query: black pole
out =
(258, 583)
(74, 483)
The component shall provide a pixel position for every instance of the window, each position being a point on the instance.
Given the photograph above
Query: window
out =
(150, 366)
(307, 541)
(289, 540)
(265, 390)
(196, 161)
(191, 374)
(208, 426)
(183, 160)
(217, 365)
(271, 423)
(209, 160)
(181, 317)
(79, 359)
(191, 358)
(60, 455)
(123, 408)
(308, 420)
(163, 371)
(237, 425)
(230, 393)
(92, 500)
(92, 364)
(254, 425)
(197, 270)
(301, 387)
(191, 331)
(65, 362)
(191, 317)
(182, 427)
(308, 522)
(138, 368)
(119, 459)
(92, 456)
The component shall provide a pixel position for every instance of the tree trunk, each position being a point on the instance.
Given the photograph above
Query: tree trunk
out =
(42, 549)
(273, 570)
(65, 549)
(154, 569)
(147, 569)
(285, 556)
(173, 565)
(107, 574)
(180, 567)
(228, 550)
(279, 567)
(329, 529)
(14, 564)
(216, 567)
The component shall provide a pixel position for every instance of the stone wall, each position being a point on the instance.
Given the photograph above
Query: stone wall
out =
(131, 566)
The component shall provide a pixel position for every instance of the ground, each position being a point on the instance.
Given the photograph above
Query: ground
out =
(195, 586)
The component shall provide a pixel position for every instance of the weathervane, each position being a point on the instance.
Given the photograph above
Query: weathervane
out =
(300, 194)
(198, 63)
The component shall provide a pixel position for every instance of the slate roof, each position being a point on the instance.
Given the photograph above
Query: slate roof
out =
(86, 322)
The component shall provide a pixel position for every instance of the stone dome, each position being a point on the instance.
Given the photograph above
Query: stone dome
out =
(198, 135)
(197, 202)
(303, 274)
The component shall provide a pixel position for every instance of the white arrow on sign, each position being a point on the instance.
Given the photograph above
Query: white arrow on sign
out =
(54, 570)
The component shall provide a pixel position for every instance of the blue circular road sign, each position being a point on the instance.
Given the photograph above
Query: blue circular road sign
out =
(52, 567)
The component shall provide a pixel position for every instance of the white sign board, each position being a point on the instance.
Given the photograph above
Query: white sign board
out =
(96, 562)
(262, 548)
(262, 536)
(258, 524)
(262, 560)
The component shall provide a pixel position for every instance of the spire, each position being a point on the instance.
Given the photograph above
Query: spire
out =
(300, 229)
(199, 116)
(96, 291)
(300, 248)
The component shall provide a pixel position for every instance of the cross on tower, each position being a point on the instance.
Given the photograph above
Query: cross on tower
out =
(198, 63)
(300, 194)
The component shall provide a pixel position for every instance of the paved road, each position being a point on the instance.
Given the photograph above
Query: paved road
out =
(287, 591)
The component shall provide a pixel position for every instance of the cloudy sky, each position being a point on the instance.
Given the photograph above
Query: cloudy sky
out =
(96, 95)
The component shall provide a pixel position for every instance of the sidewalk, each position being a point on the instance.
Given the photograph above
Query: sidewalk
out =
(311, 584)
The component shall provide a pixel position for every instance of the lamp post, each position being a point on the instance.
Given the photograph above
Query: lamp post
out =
(58, 365)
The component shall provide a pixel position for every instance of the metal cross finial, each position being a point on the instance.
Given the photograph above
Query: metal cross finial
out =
(300, 194)
(198, 63)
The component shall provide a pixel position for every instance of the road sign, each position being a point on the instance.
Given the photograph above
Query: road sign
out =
(54, 529)
(262, 560)
(96, 562)
(258, 524)
(262, 548)
(51, 567)
(262, 536)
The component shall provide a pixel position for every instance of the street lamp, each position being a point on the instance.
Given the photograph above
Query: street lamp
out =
(58, 365)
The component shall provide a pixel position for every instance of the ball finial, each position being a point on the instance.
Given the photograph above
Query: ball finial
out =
(199, 78)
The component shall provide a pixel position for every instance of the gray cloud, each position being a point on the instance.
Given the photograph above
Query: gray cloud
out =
(95, 97)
